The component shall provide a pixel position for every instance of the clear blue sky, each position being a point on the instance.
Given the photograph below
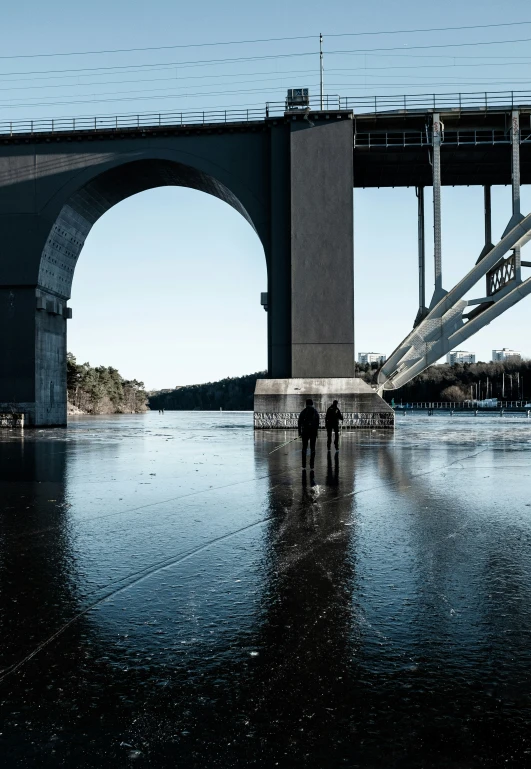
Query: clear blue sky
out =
(183, 271)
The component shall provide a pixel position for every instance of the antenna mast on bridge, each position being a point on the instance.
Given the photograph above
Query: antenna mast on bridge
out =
(321, 70)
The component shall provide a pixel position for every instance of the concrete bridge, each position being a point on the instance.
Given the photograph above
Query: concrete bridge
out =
(290, 175)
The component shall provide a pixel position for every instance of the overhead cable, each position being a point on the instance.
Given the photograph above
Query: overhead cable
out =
(280, 75)
(263, 40)
(269, 57)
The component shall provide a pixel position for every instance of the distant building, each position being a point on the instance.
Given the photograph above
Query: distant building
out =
(460, 356)
(505, 354)
(371, 357)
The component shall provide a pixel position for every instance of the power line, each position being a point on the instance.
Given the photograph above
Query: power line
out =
(519, 60)
(337, 73)
(450, 56)
(427, 29)
(423, 47)
(259, 76)
(264, 77)
(184, 64)
(234, 60)
(149, 80)
(168, 47)
(423, 85)
(8, 105)
(237, 92)
(432, 77)
(428, 66)
(262, 40)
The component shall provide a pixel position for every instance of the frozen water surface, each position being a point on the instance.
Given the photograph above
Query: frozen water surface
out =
(172, 595)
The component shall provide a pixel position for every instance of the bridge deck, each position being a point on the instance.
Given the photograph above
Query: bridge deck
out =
(393, 149)
(391, 145)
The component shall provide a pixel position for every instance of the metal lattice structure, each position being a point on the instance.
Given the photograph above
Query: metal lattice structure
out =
(451, 318)
(500, 275)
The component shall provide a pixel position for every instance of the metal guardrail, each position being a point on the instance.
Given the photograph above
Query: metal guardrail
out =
(458, 138)
(150, 120)
(444, 102)
(130, 121)
(459, 406)
(360, 105)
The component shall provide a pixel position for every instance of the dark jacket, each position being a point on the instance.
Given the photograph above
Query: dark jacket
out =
(308, 421)
(333, 415)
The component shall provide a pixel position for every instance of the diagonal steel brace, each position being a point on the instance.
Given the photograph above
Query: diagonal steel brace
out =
(445, 327)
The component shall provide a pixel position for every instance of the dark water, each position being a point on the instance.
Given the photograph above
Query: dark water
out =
(174, 596)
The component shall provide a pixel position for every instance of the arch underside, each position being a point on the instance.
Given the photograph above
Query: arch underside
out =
(71, 228)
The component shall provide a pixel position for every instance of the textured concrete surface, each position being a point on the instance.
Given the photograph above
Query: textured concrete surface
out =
(278, 402)
(292, 182)
(322, 250)
(327, 387)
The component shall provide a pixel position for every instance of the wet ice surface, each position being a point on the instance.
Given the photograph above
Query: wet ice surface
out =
(172, 595)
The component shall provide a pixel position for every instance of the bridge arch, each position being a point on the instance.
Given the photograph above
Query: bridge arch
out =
(93, 193)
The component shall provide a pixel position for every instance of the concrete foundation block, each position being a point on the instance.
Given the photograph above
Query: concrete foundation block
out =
(278, 402)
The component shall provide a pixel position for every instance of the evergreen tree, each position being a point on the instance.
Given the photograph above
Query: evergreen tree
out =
(102, 390)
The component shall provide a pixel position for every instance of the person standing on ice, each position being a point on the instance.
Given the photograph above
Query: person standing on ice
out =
(308, 428)
(332, 419)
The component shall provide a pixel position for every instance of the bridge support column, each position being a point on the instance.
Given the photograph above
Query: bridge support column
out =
(33, 355)
(487, 248)
(515, 178)
(516, 216)
(321, 258)
(423, 310)
(437, 234)
(322, 249)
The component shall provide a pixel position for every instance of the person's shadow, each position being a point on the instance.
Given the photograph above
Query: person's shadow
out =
(313, 482)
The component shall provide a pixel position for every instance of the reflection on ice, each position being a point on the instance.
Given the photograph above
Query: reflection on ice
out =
(172, 590)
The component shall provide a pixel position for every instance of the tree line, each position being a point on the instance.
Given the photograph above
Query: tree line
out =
(101, 390)
(509, 380)
(231, 394)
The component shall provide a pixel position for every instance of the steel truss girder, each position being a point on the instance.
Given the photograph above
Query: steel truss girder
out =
(445, 327)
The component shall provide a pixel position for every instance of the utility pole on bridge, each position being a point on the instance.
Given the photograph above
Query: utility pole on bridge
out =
(321, 69)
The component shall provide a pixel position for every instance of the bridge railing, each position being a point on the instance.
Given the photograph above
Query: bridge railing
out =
(461, 406)
(455, 102)
(459, 138)
(160, 119)
(360, 105)
(131, 121)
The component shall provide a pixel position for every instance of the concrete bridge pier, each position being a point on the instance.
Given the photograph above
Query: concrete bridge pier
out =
(319, 360)
(33, 355)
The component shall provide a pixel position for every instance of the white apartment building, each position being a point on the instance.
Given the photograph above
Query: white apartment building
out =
(371, 357)
(505, 354)
(460, 356)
